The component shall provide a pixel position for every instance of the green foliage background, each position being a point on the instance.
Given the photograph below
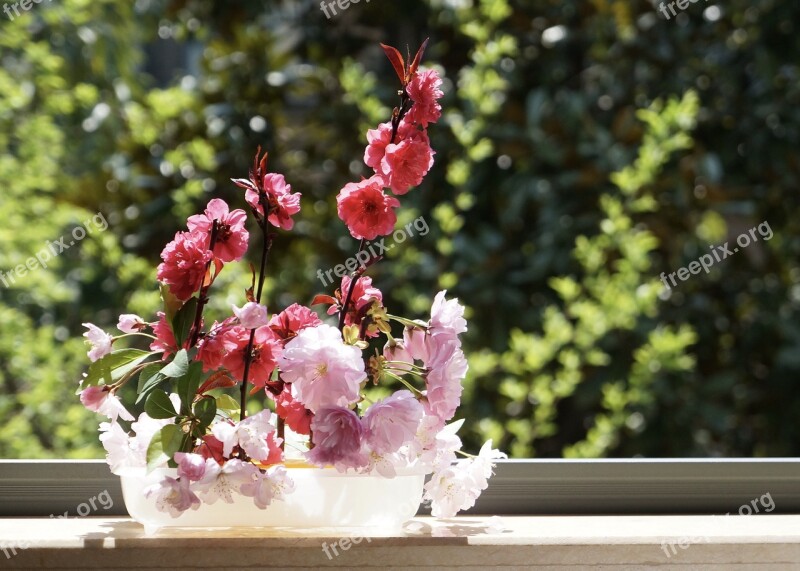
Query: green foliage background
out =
(586, 147)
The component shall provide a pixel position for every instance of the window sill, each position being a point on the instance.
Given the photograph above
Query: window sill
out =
(532, 542)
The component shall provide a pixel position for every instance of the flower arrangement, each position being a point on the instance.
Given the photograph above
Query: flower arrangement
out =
(311, 373)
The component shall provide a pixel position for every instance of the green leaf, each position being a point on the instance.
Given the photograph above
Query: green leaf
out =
(165, 443)
(205, 410)
(114, 366)
(171, 303)
(178, 367)
(188, 385)
(183, 321)
(149, 378)
(227, 403)
(159, 406)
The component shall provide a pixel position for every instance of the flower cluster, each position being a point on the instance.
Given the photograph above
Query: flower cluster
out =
(312, 373)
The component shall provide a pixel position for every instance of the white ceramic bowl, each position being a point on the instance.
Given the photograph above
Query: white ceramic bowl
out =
(323, 498)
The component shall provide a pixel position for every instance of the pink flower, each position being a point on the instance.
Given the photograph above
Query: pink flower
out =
(364, 295)
(100, 400)
(130, 323)
(289, 322)
(282, 203)
(267, 349)
(222, 482)
(297, 417)
(323, 371)
(377, 140)
(264, 487)
(191, 466)
(406, 163)
(99, 340)
(232, 236)
(173, 496)
(258, 438)
(252, 315)
(212, 348)
(366, 210)
(185, 261)
(425, 90)
(415, 341)
(392, 422)
(447, 368)
(165, 338)
(447, 317)
(338, 435)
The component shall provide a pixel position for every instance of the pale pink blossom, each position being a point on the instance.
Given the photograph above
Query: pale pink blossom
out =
(425, 90)
(224, 482)
(366, 210)
(397, 356)
(338, 435)
(185, 262)
(99, 340)
(257, 437)
(232, 236)
(173, 496)
(392, 422)
(447, 316)
(264, 487)
(117, 444)
(281, 202)
(252, 315)
(102, 401)
(415, 342)
(130, 323)
(191, 466)
(322, 369)
(289, 322)
(447, 368)
(406, 163)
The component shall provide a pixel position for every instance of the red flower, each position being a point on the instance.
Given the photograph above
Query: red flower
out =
(363, 297)
(232, 237)
(185, 261)
(297, 417)
(165, 338)
(267, 348)
(212, 347)
(406, 163)
(425, 90)
(288, 322)
(366, 210)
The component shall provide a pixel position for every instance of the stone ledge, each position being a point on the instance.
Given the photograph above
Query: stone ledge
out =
(541, 542)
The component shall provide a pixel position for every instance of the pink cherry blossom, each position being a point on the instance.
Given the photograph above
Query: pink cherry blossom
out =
(190, 466)
(398, 356)
(99, 340)
(267, 348)
(173, 496)
(379, 138)
(223, 482)
(101, 400)
(415, 341)
(366, 210)
(292, 320)
(392, 422)
(258, 438)
(297, 417)
(117, 444)
(406, 163)
(185, 261)
(281, 202)
(323, 371)
(265, 487)
(232, 236)
(165, 338)
(447, 317)
(130, 323)
(338, 435)
(425, 90)
(447, 368)
(252, 315)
